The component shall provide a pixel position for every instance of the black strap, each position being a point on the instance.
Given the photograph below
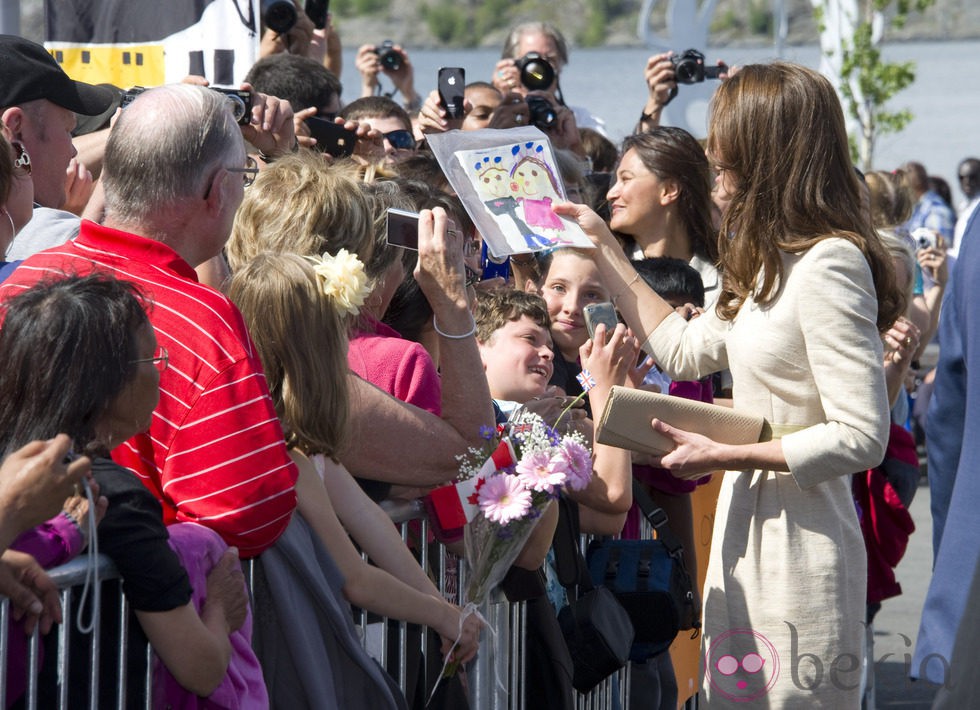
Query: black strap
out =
(658, 520)
(570, 566)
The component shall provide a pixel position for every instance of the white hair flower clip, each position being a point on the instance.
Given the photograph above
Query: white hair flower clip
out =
(342, 280)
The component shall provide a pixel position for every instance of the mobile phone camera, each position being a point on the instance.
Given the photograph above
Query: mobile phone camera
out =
(541, 113)
(279, 15)
(389, 57)
(240, 102)
(689, 68)
(537, 73)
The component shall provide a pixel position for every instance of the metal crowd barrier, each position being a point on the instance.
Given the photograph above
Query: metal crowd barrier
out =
(496, 680)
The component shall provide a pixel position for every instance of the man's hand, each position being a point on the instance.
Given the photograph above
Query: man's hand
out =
(270, 129)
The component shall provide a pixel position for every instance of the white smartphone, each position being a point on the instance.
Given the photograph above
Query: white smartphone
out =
(596, 313)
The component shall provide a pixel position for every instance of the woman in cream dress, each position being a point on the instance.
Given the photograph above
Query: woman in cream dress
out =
(808, 290)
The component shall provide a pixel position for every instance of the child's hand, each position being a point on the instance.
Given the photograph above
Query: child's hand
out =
(638, 374)
(609, 360)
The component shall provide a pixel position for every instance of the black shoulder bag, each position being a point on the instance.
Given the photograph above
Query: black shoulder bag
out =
(597, 629)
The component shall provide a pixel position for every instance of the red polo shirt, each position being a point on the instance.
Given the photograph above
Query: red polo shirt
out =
(214, 453)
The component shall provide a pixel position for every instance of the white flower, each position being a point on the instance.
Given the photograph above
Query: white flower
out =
(342, 280)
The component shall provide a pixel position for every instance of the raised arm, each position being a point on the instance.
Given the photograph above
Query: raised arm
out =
(370, 587)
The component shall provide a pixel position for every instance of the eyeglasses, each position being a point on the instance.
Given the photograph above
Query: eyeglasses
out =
(249, 172)
(160, 359)
(22, 159)
(969, 177)
(401, 140)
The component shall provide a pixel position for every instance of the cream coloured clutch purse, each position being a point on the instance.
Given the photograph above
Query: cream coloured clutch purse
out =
(625, 421)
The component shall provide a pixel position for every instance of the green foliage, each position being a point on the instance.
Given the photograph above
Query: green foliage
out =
(595, 24)
(448, 22)
(877, 81)
(760, 18)
(367, 7)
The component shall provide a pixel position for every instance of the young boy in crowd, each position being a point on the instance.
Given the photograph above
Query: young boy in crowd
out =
(513, 332)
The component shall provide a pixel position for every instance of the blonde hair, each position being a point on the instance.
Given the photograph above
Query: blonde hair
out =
(301, 205)
(891, 198)
(302, 342)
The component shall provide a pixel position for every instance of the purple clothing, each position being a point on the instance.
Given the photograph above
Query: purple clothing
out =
(199, 549)
(51, 543)
(660, 478)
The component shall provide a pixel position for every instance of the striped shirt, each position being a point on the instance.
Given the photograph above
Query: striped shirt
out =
(214, 453)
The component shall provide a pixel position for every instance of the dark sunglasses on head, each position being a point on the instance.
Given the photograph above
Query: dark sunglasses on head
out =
(402, 140)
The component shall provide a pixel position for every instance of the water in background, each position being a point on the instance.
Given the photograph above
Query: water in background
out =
(945, 97)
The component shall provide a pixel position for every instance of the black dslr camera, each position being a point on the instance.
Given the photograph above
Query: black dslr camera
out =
(541, 114)
(389, 57)
(537, 74)
(689, 68)
(239, 101)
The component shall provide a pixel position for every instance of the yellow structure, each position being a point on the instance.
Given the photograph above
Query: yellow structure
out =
(122, 65)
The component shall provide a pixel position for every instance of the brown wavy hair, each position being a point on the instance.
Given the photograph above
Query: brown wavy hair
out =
(778, 130)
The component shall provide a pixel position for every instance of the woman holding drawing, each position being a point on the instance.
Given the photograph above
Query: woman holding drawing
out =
(808, 289)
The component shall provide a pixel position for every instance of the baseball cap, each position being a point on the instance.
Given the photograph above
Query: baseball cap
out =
(28, 72)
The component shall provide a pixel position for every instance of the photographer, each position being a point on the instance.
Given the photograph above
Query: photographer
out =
(393, 61)
(304, 38)
(540, 109)
(520, 68)
(661, 79)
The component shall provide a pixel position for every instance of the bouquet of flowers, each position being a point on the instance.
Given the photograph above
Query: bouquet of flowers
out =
(502, 489)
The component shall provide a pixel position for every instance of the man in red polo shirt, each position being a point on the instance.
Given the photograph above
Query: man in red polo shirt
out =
(175, 173)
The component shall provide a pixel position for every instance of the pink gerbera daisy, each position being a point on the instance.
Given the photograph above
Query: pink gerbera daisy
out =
(579, 464)
(540, 471)
(504, 498)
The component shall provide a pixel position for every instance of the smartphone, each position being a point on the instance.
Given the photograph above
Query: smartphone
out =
(331, 137)
(403, 228)
(452, 82)
(317, 11)
(596, 313)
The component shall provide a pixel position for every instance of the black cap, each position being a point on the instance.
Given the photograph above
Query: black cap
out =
(28, 72)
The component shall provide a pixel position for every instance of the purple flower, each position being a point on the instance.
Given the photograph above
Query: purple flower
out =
(487, 432)
(541, 471)
(579, 464)
(504, 498)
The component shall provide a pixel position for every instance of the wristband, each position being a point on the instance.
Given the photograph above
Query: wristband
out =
(464, 336)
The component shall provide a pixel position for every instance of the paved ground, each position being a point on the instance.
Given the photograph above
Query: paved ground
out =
(897, 624)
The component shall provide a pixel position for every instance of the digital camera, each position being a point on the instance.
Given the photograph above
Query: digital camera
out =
(541, 113)
(279, 15)
(537, 74)
(389, 57)
(239, 101)
(689, 68)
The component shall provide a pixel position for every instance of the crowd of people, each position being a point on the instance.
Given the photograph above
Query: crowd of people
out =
(212, 353)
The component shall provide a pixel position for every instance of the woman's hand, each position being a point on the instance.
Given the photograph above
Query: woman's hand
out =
(932, 260)
(511, 112)
(33, 595)
(507, 77)
(469, 638)
(901, 342)
(693, 455)
(226, 590)
(440, 271)
(35, 480)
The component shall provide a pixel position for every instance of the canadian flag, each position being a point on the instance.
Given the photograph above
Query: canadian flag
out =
(451, 507)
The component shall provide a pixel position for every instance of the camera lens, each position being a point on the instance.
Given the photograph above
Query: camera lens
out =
(238, 107)
(689, 67)
(537, 73)
(390, 58)
(541, 113)
(279, 15)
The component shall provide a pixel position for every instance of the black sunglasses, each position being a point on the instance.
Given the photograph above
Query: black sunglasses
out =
(401, 139)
